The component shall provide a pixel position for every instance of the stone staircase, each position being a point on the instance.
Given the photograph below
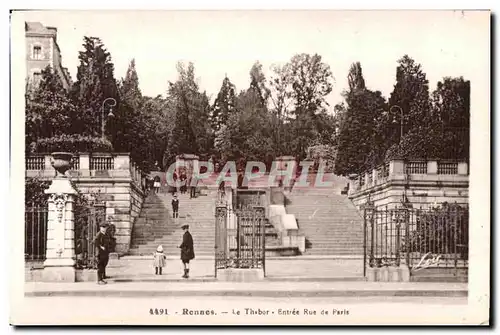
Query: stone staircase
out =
(330, 222)
(155, 225)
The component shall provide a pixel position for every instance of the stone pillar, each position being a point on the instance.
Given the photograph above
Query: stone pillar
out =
(84, 164)
(462, 168)
(374, 177)
(60, 255)
(47, 163)
(396, 167)
(432, 167)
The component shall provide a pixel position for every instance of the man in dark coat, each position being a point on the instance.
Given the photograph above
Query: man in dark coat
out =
(187, 250)
(175, 207)
(103, 243)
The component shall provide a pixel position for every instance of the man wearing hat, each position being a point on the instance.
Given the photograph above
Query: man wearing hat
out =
(102, 244)
(187, 250)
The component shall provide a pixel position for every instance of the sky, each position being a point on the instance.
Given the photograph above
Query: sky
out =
(223, 43)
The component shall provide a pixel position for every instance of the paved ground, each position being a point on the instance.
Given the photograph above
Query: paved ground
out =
(187, 310)
(189, 287)
(127, 268)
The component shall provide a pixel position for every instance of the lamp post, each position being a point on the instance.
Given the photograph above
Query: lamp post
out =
(103, 114)
(401, 111)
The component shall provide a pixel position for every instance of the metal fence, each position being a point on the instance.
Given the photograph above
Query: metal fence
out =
(419, 238)
(87, 221)
(35, 230)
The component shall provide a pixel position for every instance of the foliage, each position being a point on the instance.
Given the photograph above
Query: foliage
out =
(224, 104)
(358, 135)
(34, 195)
(248, 131)
(71, 143)
(191, 132)
(411, 94)
(323, 152)
(49, 110)
(95, 83)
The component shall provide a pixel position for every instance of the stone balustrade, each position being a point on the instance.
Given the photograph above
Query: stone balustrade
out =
(113, 165)
(418, 170)
(423, 182)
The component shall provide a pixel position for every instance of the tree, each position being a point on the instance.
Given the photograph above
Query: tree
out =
(49, 109)
(191, 132)
(355, 78)
(258, 82)
(224, 104)
(451, 103)
(411, 94)
(95, 83)
(358, 136)
(248, 133)
(299, 90)
(129, 89)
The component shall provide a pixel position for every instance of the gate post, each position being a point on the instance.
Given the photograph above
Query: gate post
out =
(60, 255)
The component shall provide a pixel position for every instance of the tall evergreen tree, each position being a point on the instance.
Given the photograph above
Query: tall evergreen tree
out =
(357, 136)
(129, 89)
(190, 131)
(224, 104)
(355, 78)
(95, 83)
(411, 94)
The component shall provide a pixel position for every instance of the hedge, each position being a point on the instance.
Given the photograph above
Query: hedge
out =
(71, 143)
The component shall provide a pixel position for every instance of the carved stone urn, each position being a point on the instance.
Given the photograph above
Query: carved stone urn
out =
(61, 162)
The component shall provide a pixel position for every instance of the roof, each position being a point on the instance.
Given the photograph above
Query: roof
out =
(39, 29)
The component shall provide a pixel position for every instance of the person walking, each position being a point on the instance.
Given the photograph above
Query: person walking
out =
(160, 260)
(102, 243)
(192, 186)
(183, 180)
(175, 206)
(157, 184)
(187, 250)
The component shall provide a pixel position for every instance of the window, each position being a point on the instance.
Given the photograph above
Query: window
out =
(37, 52)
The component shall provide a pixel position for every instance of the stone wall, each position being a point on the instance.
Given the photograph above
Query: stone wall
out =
(120, 188)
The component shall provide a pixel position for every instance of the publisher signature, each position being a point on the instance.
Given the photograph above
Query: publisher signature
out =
(426, 261)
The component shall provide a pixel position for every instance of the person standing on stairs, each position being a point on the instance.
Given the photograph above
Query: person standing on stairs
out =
(175, 206)
(160, 260)
(157, 184)
(193, 184)
(187, 250)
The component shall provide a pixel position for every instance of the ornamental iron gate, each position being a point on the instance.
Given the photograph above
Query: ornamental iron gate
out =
(87, 221)
(239, 237)
(417, 238)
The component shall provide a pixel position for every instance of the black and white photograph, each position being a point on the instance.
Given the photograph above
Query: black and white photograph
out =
(238, 167)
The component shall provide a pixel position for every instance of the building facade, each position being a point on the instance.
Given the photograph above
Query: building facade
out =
(42, 50)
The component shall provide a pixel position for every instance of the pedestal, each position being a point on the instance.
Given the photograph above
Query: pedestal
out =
(240, 275)
(60, 255)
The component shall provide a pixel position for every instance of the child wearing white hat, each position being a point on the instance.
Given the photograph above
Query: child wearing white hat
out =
(160, 260)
